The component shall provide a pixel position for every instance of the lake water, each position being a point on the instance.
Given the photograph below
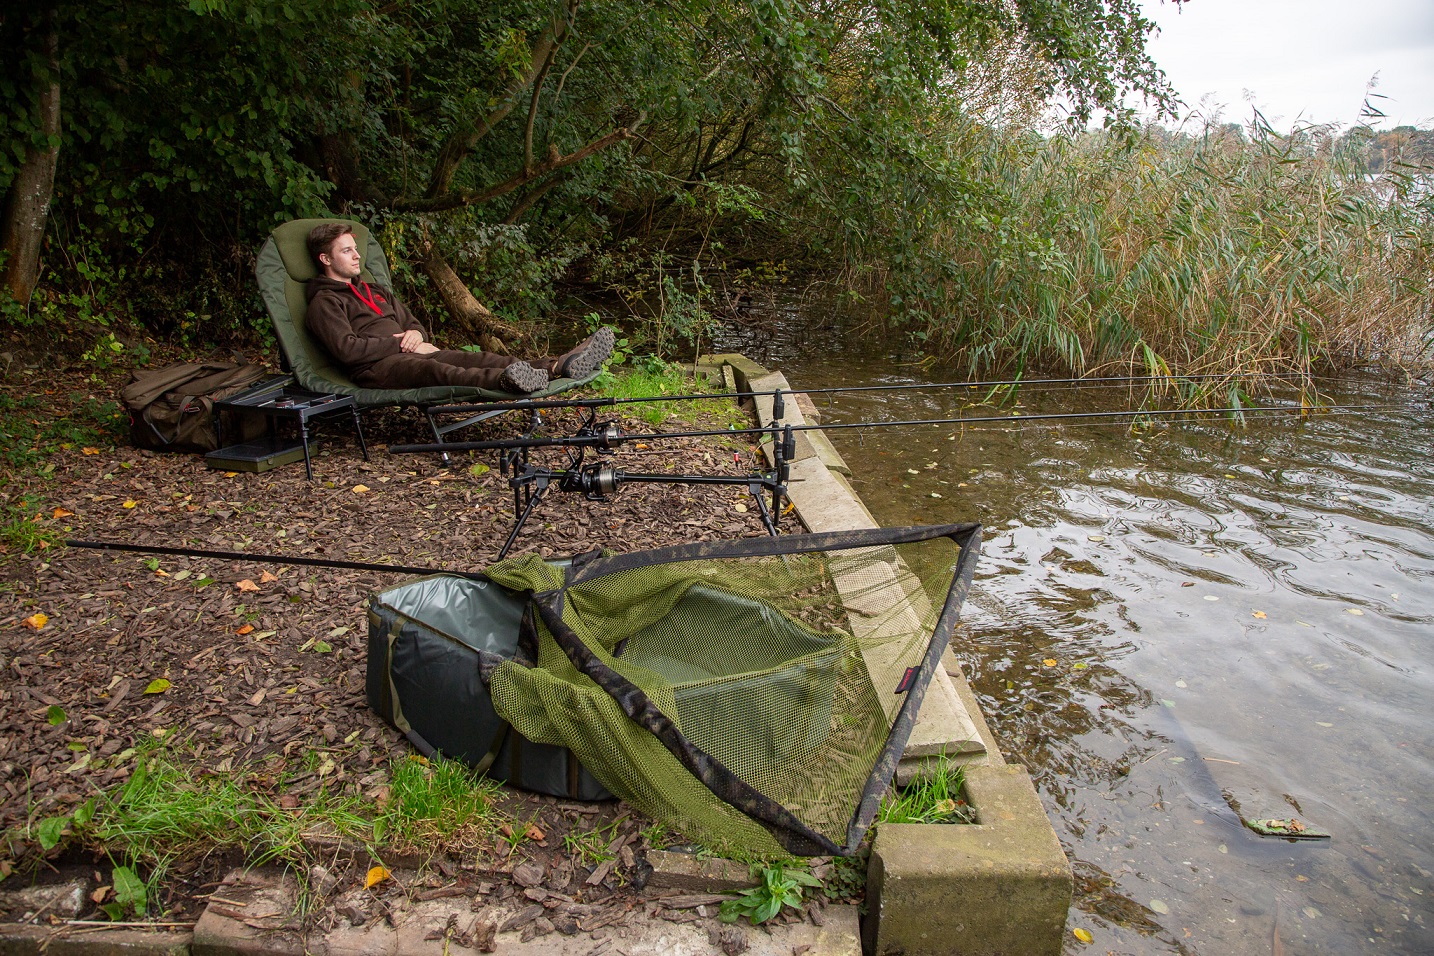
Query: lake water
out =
(1172, 627)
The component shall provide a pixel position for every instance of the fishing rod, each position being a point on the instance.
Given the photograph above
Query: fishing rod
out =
(600, 480)
(610, 435)
(263, 558)
(608, 402)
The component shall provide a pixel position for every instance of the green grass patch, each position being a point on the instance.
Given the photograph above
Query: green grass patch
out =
(30, 432)
(169, 810)
(933, 798)
(22, 526)
(650, 377)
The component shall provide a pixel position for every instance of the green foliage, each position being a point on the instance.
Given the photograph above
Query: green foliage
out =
(131, 895)
(29, 437)
(590, 848)
(780, 885)
(931, 798)
(1197, 253)
(435, 800)
(650, 377)
(189, 129)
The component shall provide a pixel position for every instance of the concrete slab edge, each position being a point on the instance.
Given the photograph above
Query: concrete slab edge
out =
(1001, 885)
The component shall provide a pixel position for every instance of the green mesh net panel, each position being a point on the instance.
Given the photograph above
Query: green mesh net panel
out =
(753, 694)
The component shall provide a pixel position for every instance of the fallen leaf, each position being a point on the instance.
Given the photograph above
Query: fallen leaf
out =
(478, 470)
(1355, 611)
(1049, 662)
(268, 577)
(158, 686)
(247, 628)
(247, 585)
(1083, 935)
(1258, 614)
(36, 621)
(360, 489)
(376, 875)
(130, 503)
(322, 647)
(55, 716)
(90, 451)
(1159, 906)
(1097, 538)
(62, 513)
(740, 508)
(936, 494)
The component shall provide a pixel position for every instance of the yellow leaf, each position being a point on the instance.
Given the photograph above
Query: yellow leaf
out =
(268, 577)
(90, 451)
(62, 513)
(247, 585)
(376, 875)
(1259, 614)
(247, 628)
(1049, 662)
(157, 686)
(130, 503)
(360, 489)
(1083, 935)
(36, 621)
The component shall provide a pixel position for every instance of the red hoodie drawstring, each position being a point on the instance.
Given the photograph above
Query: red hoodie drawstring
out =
(372, 299)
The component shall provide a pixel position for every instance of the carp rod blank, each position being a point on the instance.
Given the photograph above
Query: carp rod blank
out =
(1105, 381)
(608, 438)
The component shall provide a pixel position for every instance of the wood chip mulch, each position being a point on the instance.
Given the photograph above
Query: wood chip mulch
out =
(264, 662)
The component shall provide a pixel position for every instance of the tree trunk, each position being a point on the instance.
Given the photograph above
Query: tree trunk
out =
(469, 316)
(27, 206)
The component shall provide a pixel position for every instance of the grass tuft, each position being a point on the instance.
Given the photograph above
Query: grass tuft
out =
(931, 798)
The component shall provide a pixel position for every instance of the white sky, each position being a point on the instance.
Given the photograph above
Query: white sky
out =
(1300, 59)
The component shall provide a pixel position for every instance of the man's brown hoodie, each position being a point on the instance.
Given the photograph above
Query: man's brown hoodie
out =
(341, 318)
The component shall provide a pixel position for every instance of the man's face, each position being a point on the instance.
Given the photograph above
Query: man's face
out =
(342, 260)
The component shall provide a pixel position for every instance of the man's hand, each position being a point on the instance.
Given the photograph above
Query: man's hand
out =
(411, 341)
(425, 348)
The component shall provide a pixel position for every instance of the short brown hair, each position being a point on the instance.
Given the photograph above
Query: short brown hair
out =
(322, 238)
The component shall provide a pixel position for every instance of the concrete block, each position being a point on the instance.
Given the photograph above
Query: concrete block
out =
(998, 887)
(254, 921)
(693, 874)
(827, 452)
(17, 939)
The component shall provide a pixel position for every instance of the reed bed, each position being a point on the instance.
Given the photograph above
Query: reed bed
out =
(1229, 252)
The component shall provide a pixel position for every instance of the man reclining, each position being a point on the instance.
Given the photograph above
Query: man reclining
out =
(382, 345)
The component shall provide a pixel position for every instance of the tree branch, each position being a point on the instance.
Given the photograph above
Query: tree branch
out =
(454, 200)
(465, 138)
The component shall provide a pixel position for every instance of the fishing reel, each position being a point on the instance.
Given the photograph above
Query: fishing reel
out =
(597, 481)
(607, 435)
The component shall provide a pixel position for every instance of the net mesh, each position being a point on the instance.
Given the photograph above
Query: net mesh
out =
(751, 701)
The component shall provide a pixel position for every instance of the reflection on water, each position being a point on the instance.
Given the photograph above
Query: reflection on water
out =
(1240, 624)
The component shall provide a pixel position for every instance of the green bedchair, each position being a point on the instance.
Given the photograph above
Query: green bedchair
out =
(284, 266)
